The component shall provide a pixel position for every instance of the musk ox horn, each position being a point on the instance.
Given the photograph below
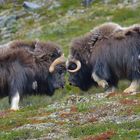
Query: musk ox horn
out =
(57, 61)
(78, 64)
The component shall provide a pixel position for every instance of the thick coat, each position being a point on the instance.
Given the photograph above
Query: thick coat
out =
(24, 69)
(108, 53)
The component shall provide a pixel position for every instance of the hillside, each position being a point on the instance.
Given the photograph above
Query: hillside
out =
(70, 114)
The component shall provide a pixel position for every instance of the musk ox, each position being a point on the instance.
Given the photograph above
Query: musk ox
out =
(30, 68)
(104, 56)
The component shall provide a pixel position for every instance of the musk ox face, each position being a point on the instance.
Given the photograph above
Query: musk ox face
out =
(56, 78)
(80, 78)
(50, 75)
(78, 67)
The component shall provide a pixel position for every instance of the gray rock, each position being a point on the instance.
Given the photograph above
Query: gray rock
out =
(31, 5)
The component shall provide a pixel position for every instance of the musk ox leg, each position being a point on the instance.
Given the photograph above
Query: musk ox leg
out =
(15, 101)
(100, 82)
(133, 87)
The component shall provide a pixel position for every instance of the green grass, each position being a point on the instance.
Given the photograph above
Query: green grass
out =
(125, 15)
(128, 130)
(20, 134)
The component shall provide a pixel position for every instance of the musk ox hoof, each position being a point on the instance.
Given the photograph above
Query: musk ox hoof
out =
(14, 109)
(130, 90)
(103, 84)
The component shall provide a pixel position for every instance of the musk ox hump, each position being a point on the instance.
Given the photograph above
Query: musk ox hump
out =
(106, 29)
(103, 31)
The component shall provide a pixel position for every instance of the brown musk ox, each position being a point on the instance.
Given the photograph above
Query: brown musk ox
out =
(104, 56)
(30, 68)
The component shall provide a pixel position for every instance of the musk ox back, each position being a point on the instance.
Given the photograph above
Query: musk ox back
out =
(104, 56)
(30, 68)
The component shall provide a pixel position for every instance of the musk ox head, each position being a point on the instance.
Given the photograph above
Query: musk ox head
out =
(50, 67)
(79, 64)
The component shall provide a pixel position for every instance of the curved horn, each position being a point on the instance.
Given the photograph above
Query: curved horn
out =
(57, 61)
(78, 64)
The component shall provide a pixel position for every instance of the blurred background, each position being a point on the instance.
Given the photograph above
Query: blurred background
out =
(61, 20)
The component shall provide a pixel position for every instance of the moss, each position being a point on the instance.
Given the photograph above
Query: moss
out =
(20, 134)
(83, 107)
(124, 130)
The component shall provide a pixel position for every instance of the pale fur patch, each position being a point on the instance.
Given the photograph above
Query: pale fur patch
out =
(15, 101)
(99, 81)
(133, 86)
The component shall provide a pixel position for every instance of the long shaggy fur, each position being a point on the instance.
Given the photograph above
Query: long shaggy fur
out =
(22, 63)
(109, 50)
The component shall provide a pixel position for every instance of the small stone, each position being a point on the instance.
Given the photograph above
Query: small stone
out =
(30, 5)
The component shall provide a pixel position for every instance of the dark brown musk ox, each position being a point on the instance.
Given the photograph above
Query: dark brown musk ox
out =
(104, 56)
(30, 68)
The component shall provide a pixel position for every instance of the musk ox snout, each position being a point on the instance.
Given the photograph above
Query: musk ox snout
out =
(57, 77)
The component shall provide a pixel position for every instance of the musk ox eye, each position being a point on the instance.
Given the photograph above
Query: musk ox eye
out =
(72, 66)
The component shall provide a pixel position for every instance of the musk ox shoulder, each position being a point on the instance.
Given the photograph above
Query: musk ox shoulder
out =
(30, 68)
(104, 56)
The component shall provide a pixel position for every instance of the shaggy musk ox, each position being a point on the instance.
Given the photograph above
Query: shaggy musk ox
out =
(104, 56)
(30, 68)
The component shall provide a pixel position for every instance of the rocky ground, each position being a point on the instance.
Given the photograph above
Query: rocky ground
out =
(90, 117)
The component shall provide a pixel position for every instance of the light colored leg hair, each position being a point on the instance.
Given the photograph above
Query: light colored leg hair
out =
(34, 85)
(15, 101)
(100, 82)
(133, 87)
